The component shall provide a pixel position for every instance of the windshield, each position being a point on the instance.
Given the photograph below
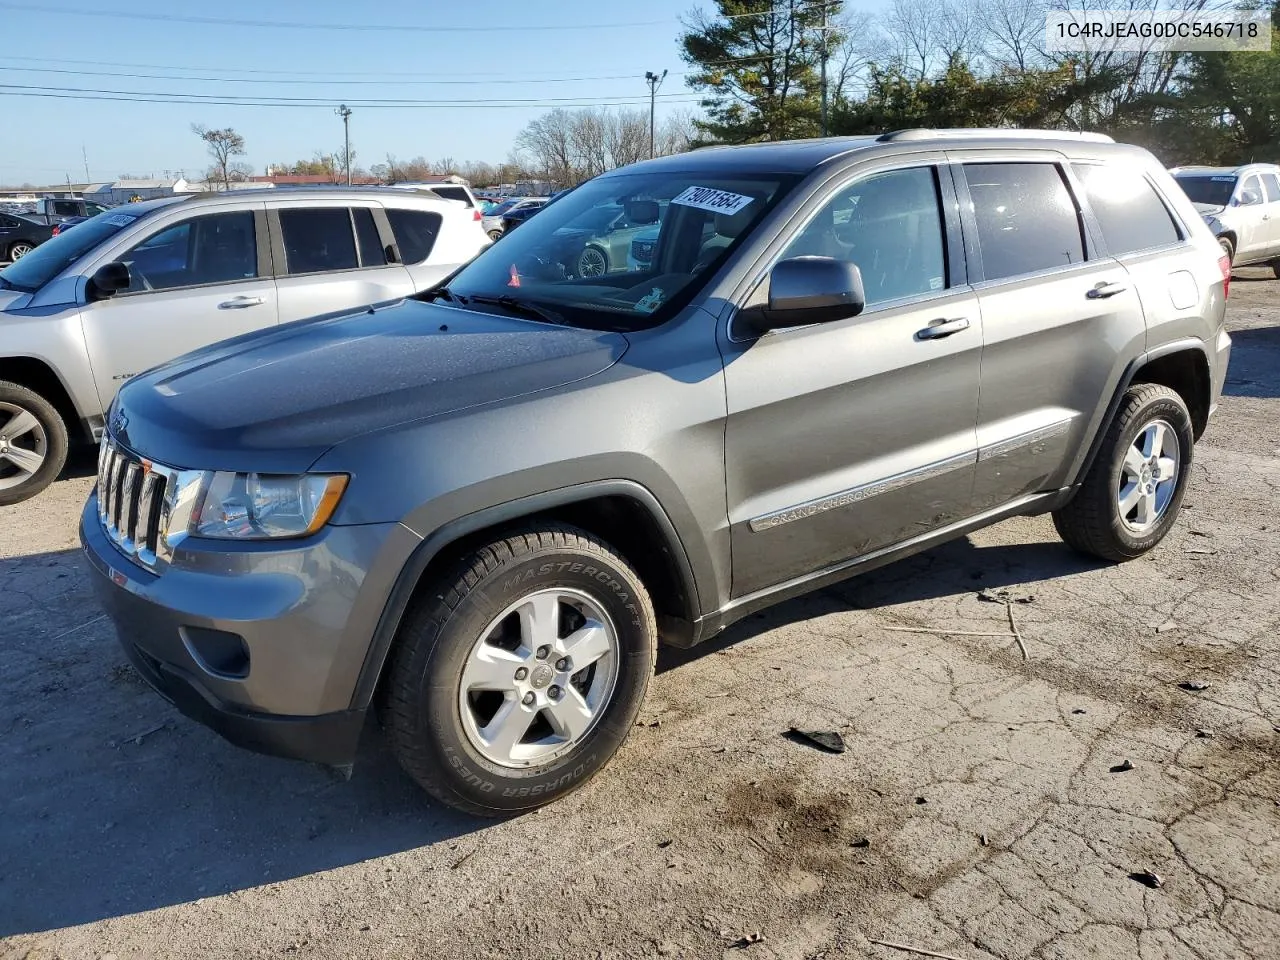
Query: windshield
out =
(1213, 190)
(572, 260)
(53, 256)
(502, 207)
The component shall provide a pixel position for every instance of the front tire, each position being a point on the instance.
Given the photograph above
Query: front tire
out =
(592, 262)
(517, 675)
(1228, 248)
(33, 443)
(495, 235)
(1131, 495)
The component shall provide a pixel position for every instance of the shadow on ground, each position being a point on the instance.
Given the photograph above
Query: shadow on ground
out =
(1255, 360)
(958, 567)
(97, 825)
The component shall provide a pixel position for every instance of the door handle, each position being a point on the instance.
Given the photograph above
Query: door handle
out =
(1104, 290)
(937, 329)
(239, 303)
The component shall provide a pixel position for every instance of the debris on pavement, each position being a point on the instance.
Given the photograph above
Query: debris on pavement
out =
(984, 840)
(1147, 879)
(861, 843)
(1204, 734)
(909, 949)
(1168, 626)
(748, 939)
(827, 740)
(1122, 766)
(1194, 686)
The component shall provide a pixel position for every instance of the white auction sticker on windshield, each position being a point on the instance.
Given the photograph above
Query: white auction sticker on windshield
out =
(717, 201)
(119, 220)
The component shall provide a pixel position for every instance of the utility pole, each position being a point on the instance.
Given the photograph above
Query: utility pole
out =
(345, 113)
(85, 153)
(822, 52)
(654, 82)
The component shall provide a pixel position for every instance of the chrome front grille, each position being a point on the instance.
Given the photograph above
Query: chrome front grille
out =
(134, 501)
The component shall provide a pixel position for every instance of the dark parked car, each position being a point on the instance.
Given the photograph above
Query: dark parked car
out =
(19, 235)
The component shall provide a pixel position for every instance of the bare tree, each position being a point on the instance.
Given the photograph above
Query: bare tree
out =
(222, 145)
(1012, 33)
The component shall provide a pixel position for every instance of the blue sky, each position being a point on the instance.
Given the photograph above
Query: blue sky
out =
(41, 137)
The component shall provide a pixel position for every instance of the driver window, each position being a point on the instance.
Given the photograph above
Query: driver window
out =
(890, 225)
(219, 248)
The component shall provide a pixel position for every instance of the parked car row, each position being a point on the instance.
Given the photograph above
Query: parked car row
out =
(1241, 205)
(128, 289)
(481, 508)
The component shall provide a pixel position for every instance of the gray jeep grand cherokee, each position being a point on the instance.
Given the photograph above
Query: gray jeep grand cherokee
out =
(482, 508)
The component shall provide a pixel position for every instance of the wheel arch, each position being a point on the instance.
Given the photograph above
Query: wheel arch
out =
(621, 512)
(1183, 366)
(38, 376)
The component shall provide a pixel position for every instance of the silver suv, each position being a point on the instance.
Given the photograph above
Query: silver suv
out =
(483, 508)
(146, 282)
(1241, 205)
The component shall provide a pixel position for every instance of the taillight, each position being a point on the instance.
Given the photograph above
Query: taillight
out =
(478, 216)
(1224, 264)
(56, 231)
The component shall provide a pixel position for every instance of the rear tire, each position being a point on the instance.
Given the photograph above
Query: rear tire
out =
(518, 674)
(1275, 268)
(20, 250)
(1131, 495)
(33, 443)
(495, 234)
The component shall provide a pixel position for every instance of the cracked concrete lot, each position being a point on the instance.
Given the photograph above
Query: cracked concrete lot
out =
(983, 808)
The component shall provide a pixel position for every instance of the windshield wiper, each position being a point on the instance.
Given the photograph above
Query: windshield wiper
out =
(440, 292)
(519, 306)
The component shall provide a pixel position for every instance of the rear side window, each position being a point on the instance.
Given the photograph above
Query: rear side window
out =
(1271, 184)
(371, 252)
(66, 208)
(1129, 211)
(415, 232)
(1027, 221)
(318, 240)
(453, 193)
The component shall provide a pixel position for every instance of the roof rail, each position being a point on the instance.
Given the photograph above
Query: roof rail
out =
(926, 133)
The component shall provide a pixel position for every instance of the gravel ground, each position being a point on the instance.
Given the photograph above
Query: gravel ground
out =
(981, 809)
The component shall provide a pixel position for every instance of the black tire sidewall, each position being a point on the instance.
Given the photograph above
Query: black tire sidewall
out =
(1170, 409)
(502, 789)
(55, 431)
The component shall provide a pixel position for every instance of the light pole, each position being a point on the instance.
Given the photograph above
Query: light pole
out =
(345, 113)
(654, 82)
(823, 51)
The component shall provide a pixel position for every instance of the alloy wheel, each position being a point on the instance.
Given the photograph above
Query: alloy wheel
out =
(1148, 476)
(591, 263)
(539, 678)
(24, 445)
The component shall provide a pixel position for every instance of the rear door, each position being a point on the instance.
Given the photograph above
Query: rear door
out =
(332, 255)
(195, 280)
(1271, 213)
(1059, 320)
(843, 438)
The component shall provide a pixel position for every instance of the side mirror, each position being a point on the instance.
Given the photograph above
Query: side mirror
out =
(109, 280)
(1249, 198)
(805, 290)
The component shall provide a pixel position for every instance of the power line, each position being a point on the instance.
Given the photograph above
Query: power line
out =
(41, 92)
(305, 101)
(310, 25)
(523, 81)
(522, 74)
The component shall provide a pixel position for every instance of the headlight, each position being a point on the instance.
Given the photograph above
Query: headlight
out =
(259, 506)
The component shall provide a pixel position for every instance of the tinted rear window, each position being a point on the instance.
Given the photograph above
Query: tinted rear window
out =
(1214, 190)
(371, 252)
(415, 232)
(318, 240)
(1027, 221)
(453, 193)
(1132, 216)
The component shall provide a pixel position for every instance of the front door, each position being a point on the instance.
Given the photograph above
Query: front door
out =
(332, 257)
(846, 437)
(193, 281)
(1058, 321)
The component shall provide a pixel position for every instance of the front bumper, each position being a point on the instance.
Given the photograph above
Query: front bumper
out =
(299, 616)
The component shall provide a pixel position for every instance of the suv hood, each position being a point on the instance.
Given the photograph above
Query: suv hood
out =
(276, 401)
